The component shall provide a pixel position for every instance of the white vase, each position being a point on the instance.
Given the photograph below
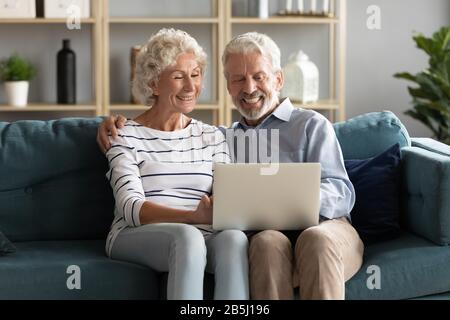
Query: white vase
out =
(301, 79)
(259, 8)
(263, 9)
(17, 93)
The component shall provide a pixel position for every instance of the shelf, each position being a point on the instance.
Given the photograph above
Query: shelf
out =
(285, 20)
(136, 107)
(48, 107)
(319, 105)
(41, 20)
(335, 22)
(221, 24)
(164, 20)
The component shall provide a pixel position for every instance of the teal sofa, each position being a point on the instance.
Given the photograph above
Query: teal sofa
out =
(56, 207)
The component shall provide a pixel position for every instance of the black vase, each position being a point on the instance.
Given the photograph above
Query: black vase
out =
(66, 74)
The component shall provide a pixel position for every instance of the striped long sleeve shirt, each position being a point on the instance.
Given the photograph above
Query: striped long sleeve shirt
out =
(170, 168)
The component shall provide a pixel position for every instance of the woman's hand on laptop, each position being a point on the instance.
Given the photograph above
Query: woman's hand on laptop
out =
(203, 213)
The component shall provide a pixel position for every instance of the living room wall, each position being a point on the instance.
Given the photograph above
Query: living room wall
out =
(373, 56)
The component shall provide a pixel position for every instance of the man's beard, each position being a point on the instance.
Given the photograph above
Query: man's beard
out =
(255, 114)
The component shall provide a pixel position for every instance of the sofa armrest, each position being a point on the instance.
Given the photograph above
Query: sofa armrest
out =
(431, 145)
(426, 190)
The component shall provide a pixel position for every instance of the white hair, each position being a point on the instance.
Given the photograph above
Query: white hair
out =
(254, 42)
(161, 51)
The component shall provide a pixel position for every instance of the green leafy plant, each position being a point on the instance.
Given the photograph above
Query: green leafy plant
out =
(16, 68)
(431, 97)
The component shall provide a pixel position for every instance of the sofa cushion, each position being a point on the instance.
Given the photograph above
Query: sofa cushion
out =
(5, 245)
(369, 134)
(376, 180)
(440, 296)
(409, 267)
(53, 184)
(39, 270)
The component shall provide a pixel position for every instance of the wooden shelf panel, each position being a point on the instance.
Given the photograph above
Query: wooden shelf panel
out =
(319, 105)
(49, 107)
(285, 20)
(137, 107)
(164, 20)
(41, 20)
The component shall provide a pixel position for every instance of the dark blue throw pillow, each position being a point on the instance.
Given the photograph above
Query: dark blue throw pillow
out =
(376, 180)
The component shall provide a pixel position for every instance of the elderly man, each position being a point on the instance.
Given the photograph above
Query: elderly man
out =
(320, 259)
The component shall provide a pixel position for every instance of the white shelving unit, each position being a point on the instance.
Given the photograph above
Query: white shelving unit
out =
(335, 104)
(216, 23)
(96, 106)
(221, 23)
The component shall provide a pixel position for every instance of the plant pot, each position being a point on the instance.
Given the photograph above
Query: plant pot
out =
(17, 93)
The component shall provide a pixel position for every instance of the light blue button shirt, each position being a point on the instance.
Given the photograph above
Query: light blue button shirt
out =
(304, 136)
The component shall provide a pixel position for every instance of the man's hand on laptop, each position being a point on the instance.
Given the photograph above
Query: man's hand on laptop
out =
(109, 125)
(203, 213)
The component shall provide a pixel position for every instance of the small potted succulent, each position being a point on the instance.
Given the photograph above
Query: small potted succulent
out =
(16, 72)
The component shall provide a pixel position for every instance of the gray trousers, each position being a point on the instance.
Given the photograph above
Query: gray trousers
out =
(184, 252)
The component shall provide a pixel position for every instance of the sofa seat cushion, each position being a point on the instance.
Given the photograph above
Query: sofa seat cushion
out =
(38, 270)
(409, 267)
(440, 296)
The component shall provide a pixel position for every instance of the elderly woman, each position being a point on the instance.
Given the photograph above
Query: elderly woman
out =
(161, 173)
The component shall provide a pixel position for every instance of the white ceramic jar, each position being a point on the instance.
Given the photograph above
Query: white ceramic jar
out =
(301, 79)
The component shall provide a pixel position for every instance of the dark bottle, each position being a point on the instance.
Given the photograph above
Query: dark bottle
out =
(66, 74)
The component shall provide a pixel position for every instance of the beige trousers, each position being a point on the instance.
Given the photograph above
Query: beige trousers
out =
(324, 258)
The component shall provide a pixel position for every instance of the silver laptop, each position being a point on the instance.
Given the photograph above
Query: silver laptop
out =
(263, 196)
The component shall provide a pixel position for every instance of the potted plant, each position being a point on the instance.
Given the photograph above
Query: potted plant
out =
(431, 97)
(16, 72)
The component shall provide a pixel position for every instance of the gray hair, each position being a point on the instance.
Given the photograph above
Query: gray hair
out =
(254, 42)
(161, 51)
